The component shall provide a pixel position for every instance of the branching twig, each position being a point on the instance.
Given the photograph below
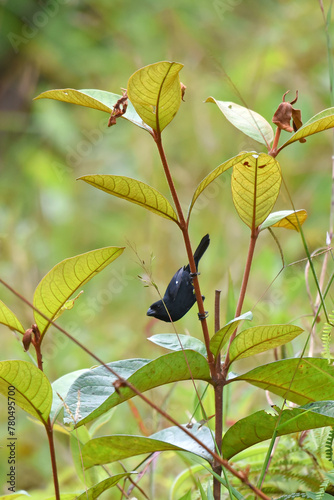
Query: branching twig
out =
(123, 382)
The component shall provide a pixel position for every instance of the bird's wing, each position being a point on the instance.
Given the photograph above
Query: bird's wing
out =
(174, 284)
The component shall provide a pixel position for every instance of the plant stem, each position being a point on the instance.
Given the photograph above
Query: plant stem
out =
(184, 228)
(218, 389)
(331, 214)
(49, 431)
(327, 23)
(254, 236)
(240, 475)
(273, 152)
(36, 341)
(251, 248)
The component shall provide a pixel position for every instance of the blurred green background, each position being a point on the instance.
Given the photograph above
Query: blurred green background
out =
(265, 48)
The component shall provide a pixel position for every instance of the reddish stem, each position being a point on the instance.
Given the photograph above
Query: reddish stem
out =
(184, 228)
(217, 467)
(252, 243)
(273, 152)
(216, 374)
(49, 431)
(37, 341)
(240, 475)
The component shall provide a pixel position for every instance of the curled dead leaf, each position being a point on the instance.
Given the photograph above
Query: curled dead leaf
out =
(119, 109)
(285, 112)
(183, 90)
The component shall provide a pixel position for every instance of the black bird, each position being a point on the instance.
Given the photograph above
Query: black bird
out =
(180, 295)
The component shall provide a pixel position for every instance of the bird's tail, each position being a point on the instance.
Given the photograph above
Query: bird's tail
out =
(202, 247)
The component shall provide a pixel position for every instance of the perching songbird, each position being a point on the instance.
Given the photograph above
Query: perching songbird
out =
(180, 294)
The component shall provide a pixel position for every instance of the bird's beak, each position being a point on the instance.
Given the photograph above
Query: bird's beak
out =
(150, 312)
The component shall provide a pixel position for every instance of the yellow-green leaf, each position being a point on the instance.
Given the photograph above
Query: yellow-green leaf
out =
(78, 438)
(81, 98)
(97, 490)
(212, 176)
(8, 318)
(107, 449)
(319, 122)
(222, 336)
(65, 278)
(33, 392)
(256, 182)
(246, 120)
(65, 496)
(261, 338)
(95, 99)
(301, 381)
(260, 426)
(14, 496)
(69, 304)
(155, 93)
(285, 218)
(135, 191)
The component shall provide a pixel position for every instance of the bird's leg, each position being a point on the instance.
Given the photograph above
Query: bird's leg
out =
(202, 317)
(192, 275)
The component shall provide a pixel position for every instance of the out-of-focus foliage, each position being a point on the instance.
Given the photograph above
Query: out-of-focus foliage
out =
(266, 48)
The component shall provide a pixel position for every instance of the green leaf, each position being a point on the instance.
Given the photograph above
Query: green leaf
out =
(212, 176)
(209, 492)
(310, 495)
(319, 122)
(300, 381)
(69, 304)
(186, 496)
(64, 496)
(8, 318)
(236, 494)
(221, 337)
(261, 338)
(102, 101)
(33, 391)
(95, 386)
(285, 218)
(98, 395)
(182, 477)
(135, 191)
(325, 408)
(78, 438)
(260, 426)
(95, 99)
(65, 278)
(155, 93)
(178, 342)
(109, 449)
(101, 421)
(256, 182)
(130, 115)
(202, 492)
(61, 387)
(97, 490)
(14, 496)
(249, 122)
